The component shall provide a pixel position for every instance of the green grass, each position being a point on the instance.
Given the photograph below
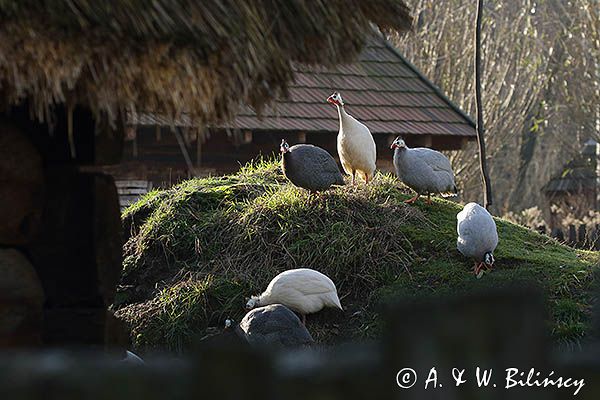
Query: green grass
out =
(197, 250)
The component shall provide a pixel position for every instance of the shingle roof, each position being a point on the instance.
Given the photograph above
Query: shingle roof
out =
(382, 89)
(578, 175)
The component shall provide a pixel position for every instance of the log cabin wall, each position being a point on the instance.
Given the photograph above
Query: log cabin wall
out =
(153, 154)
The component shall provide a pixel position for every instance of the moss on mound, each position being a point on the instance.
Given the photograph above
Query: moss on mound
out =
(195, 251)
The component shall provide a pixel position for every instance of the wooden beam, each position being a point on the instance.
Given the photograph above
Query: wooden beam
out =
(199, 147)
(247, 137)
(135, 147)
(301, 137)
(158, 133)
(427, 141)
(184, 151)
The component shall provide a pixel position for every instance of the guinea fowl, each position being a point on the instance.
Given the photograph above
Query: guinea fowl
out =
(355, 143)
(309, 167)
(477, 236)
(303, 290)
(272, 325)
(424, 170)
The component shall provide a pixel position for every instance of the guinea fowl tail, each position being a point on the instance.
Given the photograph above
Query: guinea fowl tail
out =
(339, 181)
(452, 193)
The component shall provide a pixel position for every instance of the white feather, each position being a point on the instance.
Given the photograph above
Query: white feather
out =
(303, 290)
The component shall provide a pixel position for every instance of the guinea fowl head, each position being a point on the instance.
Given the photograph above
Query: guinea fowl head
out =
(488, 259)
(284, 147)
(336, 99)
(252, 303)
(398, 143)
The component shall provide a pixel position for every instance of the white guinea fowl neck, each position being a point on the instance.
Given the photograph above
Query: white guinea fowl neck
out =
(343, 115)
(263, 299)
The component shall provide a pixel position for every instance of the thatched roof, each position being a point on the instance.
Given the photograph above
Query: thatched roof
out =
(205, 57)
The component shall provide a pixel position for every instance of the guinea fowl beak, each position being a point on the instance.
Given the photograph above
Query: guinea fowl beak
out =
(393, 146)
(330, 100)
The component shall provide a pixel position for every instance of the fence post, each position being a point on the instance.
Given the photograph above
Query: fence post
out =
(558, 234)
(572, 235)
(582, 236)
(595, 245)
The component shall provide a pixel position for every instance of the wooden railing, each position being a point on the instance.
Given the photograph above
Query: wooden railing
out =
(424, 345)
(581, 236)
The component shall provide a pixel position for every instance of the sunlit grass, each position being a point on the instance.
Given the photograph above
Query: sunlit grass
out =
(198, 249)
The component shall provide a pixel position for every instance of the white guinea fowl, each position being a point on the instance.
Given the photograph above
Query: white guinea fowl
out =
(424, 170)
(355, 143)
(477, 236)
(303, 290)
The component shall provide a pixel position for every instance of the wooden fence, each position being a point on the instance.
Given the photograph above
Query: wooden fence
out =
(582, 236)
(424, 345)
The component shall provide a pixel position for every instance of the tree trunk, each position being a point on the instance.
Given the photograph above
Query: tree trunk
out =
(487, 189)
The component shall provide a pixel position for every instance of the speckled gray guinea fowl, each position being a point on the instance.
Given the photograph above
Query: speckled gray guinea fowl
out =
(276, 325)
(424, 170)
(310, 167)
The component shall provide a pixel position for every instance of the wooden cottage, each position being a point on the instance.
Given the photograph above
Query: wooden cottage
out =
(69, 73)
(575, 188)
(382, 89)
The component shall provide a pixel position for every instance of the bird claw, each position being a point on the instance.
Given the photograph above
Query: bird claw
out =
(411, 200)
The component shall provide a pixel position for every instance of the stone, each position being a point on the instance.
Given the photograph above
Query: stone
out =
(274, 325)
(21, 301)
(79, 251)
(21, 187)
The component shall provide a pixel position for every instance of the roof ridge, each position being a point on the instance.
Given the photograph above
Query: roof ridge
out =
(433, 86)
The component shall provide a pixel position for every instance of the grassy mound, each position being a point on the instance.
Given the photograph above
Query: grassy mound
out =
(195, 251)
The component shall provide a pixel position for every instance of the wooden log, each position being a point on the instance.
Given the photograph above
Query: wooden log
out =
(21, 301)
(21, 187)
(78, 253)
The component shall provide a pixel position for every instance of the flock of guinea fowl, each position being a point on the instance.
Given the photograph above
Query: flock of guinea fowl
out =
(424, 170)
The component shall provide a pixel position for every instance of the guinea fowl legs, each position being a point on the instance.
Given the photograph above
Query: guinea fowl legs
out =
(480, 267)
(412, 200)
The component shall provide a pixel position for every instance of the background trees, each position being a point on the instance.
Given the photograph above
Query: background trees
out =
(541, 88)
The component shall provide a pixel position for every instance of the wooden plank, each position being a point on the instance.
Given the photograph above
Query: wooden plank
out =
(128, 199)
(572, 235)
(132, 191)
(131, 183)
